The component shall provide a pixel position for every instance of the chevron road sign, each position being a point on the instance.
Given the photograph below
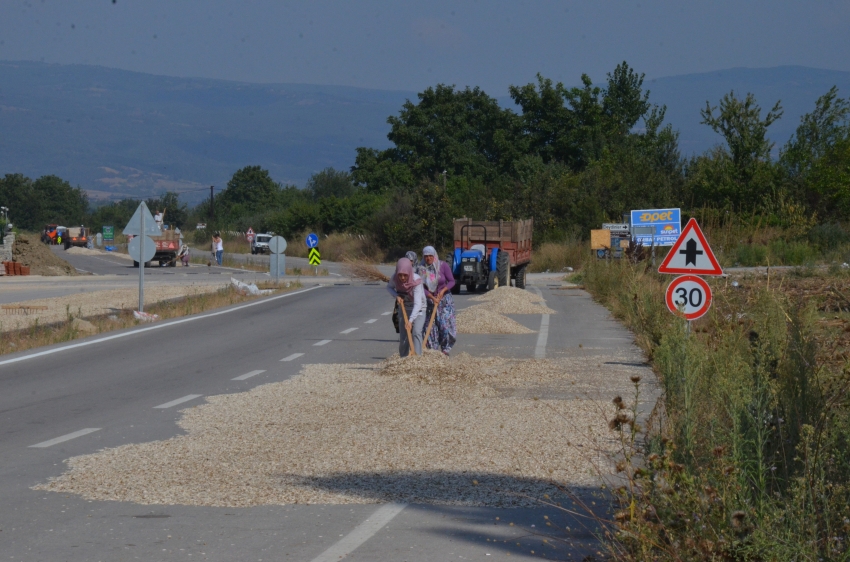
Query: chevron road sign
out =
(315, 257)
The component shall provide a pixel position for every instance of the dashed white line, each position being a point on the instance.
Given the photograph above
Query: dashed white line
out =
(543, 334)
(348, 331)
(323, 342)
(371, 321)
(178, 401)
(248, 375)
(361, 533)
(291, 357)
(64, 438)
(386, 313)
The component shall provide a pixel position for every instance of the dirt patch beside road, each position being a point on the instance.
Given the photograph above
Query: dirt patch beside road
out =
(32, 252)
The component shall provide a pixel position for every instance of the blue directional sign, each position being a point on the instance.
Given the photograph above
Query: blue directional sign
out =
(312, 240)
(666, 222)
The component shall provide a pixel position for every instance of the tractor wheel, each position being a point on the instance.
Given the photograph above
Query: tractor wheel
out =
(470, 287)
(503, 267)
(519, 282)
(456, 288)
(492, 281)
(135, 263)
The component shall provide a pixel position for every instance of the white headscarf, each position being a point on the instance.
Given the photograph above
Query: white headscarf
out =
(430, 273)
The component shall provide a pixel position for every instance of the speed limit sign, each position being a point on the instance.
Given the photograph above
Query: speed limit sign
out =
(689, 296)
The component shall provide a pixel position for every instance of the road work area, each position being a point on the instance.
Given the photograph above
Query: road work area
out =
(285, 429)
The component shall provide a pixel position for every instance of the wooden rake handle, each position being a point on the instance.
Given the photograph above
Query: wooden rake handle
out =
(433, 315)
(409, 335)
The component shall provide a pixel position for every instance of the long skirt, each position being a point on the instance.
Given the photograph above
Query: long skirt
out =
(444, 332)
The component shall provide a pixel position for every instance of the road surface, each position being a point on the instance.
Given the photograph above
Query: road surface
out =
(66, 400)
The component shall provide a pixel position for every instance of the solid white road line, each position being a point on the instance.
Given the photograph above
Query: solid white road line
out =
(323, 342)
(248, 375)
(371, 321)
(361, 533)
(64, 438)
(178, 401)
(543, 334)
(154, 327)
(348, 331)
(386, 313)
(291, 357)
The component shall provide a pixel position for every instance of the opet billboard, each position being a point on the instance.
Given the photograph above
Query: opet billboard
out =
(667, 224)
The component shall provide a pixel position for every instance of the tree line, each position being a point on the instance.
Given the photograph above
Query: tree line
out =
(570, 157)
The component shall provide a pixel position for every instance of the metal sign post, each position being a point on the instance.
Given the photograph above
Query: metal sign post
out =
(142, 261)
(277, 259)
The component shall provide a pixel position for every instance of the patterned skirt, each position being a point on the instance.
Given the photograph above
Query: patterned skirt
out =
(444, 332)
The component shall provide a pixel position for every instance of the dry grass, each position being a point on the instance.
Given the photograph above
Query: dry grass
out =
(338, 247)
(465, 431)
(364, 271)
(552, 256)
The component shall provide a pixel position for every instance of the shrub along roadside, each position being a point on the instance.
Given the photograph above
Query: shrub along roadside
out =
(747, 457)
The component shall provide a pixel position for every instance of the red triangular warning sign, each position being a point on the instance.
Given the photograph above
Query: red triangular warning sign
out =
(691, 254)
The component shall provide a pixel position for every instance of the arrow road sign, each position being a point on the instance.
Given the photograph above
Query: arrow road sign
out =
(315, 257)
(312, 240)
(688, 296)
(691, 254)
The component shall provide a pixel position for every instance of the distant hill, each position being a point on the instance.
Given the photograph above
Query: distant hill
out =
(119, 133)
(116, 132)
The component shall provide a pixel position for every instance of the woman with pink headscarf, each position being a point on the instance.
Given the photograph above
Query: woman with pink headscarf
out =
(406, 287)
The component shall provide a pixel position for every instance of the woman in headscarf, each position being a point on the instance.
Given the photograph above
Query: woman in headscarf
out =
(438, 280)
(407, 289)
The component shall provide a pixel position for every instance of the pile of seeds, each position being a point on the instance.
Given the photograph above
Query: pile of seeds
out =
(487, 435)
(510, 300)
(481, 319)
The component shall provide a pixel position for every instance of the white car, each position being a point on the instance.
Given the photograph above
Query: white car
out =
(260, 245)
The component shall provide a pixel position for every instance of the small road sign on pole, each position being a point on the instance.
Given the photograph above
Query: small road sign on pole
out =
(312, 240)
(688, 296)
(315, 257)
(250, 235)
(691, 254)
(277, 261)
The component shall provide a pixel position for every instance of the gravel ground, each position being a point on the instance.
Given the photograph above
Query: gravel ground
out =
(480, 319)
(461, 431)
(510, 300)
(85, 304)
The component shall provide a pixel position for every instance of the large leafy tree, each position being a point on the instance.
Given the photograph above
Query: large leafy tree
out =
(250, 190)
(49, 199)
(330, 182)
(462, 132)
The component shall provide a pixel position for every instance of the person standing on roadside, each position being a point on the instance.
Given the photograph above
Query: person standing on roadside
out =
(406, 287)
(218, 247)
(438, 280)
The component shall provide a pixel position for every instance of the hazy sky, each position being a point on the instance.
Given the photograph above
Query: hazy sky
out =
(411, 45)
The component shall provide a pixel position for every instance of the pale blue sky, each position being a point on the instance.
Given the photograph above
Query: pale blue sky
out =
(411, 45)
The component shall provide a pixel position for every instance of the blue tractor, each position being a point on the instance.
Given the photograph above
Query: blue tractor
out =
(490, 254)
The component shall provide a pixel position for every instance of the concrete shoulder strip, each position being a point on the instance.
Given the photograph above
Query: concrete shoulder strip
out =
(361, 533)
(154, 327)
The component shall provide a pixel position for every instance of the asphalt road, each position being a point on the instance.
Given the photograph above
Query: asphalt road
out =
(115, 385)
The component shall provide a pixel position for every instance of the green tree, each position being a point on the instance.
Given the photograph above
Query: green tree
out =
(49, 199)
(330, 182)
(249, 191)
(744, 166)
(176, 213)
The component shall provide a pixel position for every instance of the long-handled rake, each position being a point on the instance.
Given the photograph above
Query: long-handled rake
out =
(406, 325)
(433, 315)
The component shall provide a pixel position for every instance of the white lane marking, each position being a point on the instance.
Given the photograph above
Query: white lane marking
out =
(323, 342)
(371, 321)
(543, 334)
(178, 401)
(291, 357)
(337, 274)
(361, 533)
(386, 313)
(248, 375)
(64, 438)
(348, 331)
(154, 327)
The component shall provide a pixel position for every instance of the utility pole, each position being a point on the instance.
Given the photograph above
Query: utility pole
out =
(212, 204)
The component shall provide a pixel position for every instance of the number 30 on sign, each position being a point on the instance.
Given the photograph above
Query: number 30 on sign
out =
(689, 296)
